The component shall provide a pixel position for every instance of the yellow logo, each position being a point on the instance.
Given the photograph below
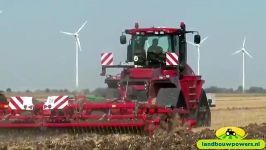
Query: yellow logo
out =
(230, 133)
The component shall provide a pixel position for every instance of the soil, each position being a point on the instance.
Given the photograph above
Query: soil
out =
(180, 139)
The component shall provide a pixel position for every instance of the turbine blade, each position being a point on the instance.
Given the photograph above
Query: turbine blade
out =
(236, 52)
(246, 52)
(78, 42)
(81, 26)
(67, 33)
(244, 41)
(191, 43)
(203, 39)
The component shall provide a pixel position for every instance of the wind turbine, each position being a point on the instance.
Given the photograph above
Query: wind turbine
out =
(198, 48)
(244, 51)
(78, 48)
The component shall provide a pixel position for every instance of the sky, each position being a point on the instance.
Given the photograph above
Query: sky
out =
(35, 55)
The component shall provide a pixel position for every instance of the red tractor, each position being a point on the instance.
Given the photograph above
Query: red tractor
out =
(156, 88)
(156, 73)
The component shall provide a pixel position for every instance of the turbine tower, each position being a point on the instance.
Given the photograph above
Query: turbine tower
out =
(78, 48)
(244, 51)
(198, 48)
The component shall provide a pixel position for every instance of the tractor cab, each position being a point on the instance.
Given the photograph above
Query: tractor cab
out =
(157, 46)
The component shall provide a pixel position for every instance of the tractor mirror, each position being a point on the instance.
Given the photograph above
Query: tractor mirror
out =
(123, 39)
(197, 39)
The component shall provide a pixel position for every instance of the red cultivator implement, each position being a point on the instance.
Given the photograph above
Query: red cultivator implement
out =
(62, 112)
(156, 88)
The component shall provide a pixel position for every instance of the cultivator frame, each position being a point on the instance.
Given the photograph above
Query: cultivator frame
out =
(120, 114)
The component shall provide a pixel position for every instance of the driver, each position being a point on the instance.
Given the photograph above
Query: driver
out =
(155, 53)
(139, 51)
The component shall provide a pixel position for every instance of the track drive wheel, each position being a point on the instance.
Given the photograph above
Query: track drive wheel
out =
(203, 113)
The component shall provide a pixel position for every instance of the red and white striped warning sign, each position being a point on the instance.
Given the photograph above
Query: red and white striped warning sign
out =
(107, 59)
(171, 58)
(20, 103)
(56, 102)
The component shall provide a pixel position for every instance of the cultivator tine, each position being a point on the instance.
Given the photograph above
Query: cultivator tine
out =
(109, 130)
(99, 129)
(136, 129)
(85, 130)
(115, 130)
(69, 130)
(75, 130)
(72, 130)
(119, 130)
(124, 129)
(105, 130)
(102, 130)
(139, 130)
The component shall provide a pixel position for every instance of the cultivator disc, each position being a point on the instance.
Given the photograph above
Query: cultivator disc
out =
(72, 130)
